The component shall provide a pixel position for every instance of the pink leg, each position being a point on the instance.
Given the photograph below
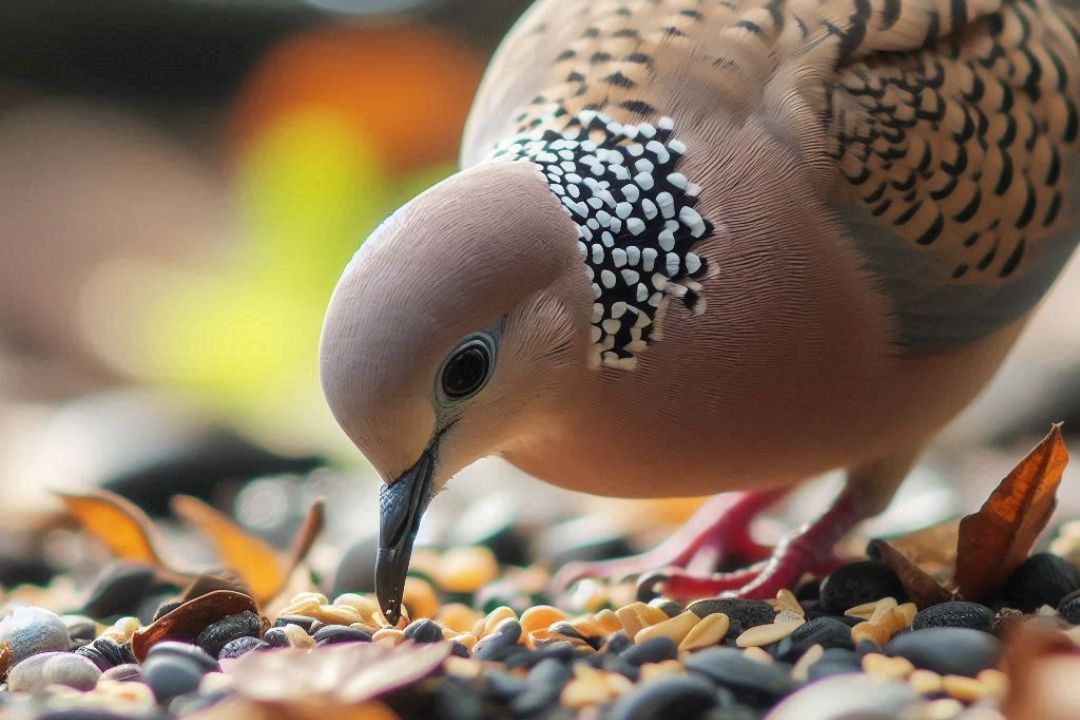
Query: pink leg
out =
(807, 550)
(718, 530)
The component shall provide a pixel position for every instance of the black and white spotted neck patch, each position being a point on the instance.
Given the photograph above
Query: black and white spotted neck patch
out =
(636, 222)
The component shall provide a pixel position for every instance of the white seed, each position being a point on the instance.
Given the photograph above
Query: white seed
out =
(618, 256)
(636, 226)
(607, 278)
(767, 634)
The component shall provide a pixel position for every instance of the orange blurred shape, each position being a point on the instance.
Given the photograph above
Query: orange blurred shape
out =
(406, 88)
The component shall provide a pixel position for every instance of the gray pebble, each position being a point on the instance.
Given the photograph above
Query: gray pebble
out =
(53, 668)
(80, 628)
(545, 682)
(30, 630)
(170, 675)
(241, 646)
(671, 697)
(128, 672)
(184, 650)
(947, 650)
(218, 634)
(652, 650)
(751, 680)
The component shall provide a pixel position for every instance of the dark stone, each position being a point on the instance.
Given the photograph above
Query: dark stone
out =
(682, 696)
(1042, 579)
(424, 631)
(545, 681)
(356, 570)
(744, 614)
(1069, 608)
(299, 620)
(171, 674)
(754, 683)
(241, 646)
(955, 613)
(82, 632)
(502, 638)
(562, 651)
(185, 650)
(825, 631)
(333, 634)
(857, 583)
(947, 650)
(615, 663)
(121, 588)
(808, 591)
(617, 642)
(823, 669)
(502, 686)
(216, 635)
(276, 637)
(459, 650)
(105, 653)
(653, 650)
(167, 607)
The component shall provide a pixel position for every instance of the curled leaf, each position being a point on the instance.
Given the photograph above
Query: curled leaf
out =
(921, 587)
(259, 565)
(997, 539)
(188, 620)
(121, 526)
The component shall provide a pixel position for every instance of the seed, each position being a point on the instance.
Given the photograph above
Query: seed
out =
(909, 611)
(996, 682)
(864, 611)
(388, 636)
(662, 669)
(458, 617)
(466, 569)
(336, 615)
(463, 667)
(608, 620)
(786, 616)
(767, 634)
(467, 639)
(943, 709)
(630, 621)
(884, 606)
(964, 689)
(297, 637)
(870, 631)
(493, 618)
(420, 598)
(587, 626)
(801, 669)
(893, 668)
(895, 620)
(587, 687)
(363, 604)
(122, 630)
(709, 631)
(649, 614)
(758, 655)
(539, 617)
(304, 603)
(786, 600)
(675, 628)
(925, 682)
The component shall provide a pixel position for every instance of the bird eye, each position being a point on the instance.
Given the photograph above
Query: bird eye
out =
(467, 369)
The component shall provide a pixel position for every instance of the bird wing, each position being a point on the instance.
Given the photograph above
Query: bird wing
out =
(961, 161)
(951, 123)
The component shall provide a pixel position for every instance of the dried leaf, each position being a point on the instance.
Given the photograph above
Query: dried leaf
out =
(309, 531)
(995, 540)
(188, 620)
(123, 527)
(921, 587)
(350, 673)
(259, 565)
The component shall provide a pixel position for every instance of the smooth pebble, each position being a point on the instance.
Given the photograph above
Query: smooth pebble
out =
(947, 650)
(857, 583)
(31, 630)
(53, 668)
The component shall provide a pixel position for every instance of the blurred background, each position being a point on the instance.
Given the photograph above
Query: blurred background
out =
(182, 181)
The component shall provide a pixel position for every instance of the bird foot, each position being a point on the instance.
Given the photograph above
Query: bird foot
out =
(718, 533)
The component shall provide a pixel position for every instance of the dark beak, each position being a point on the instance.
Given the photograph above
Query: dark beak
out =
(401, 505)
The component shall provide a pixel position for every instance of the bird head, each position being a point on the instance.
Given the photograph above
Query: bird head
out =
(454, 330)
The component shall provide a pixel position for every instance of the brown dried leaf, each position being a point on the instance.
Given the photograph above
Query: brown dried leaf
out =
(921, 587)
(259, 565)
(349, 674)
(124, 528)
(306, 536)
(995, 540)
(188, 620)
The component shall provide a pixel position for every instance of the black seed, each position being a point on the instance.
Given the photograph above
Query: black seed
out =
(652, 650)
(1043, 579)
(216, 635)
(276, 637)
(424, 631)
(857, 583)
(502, 638)
(956, 613)
(301, 620)
(617, 642)
(545, 682)
(1069, 608)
